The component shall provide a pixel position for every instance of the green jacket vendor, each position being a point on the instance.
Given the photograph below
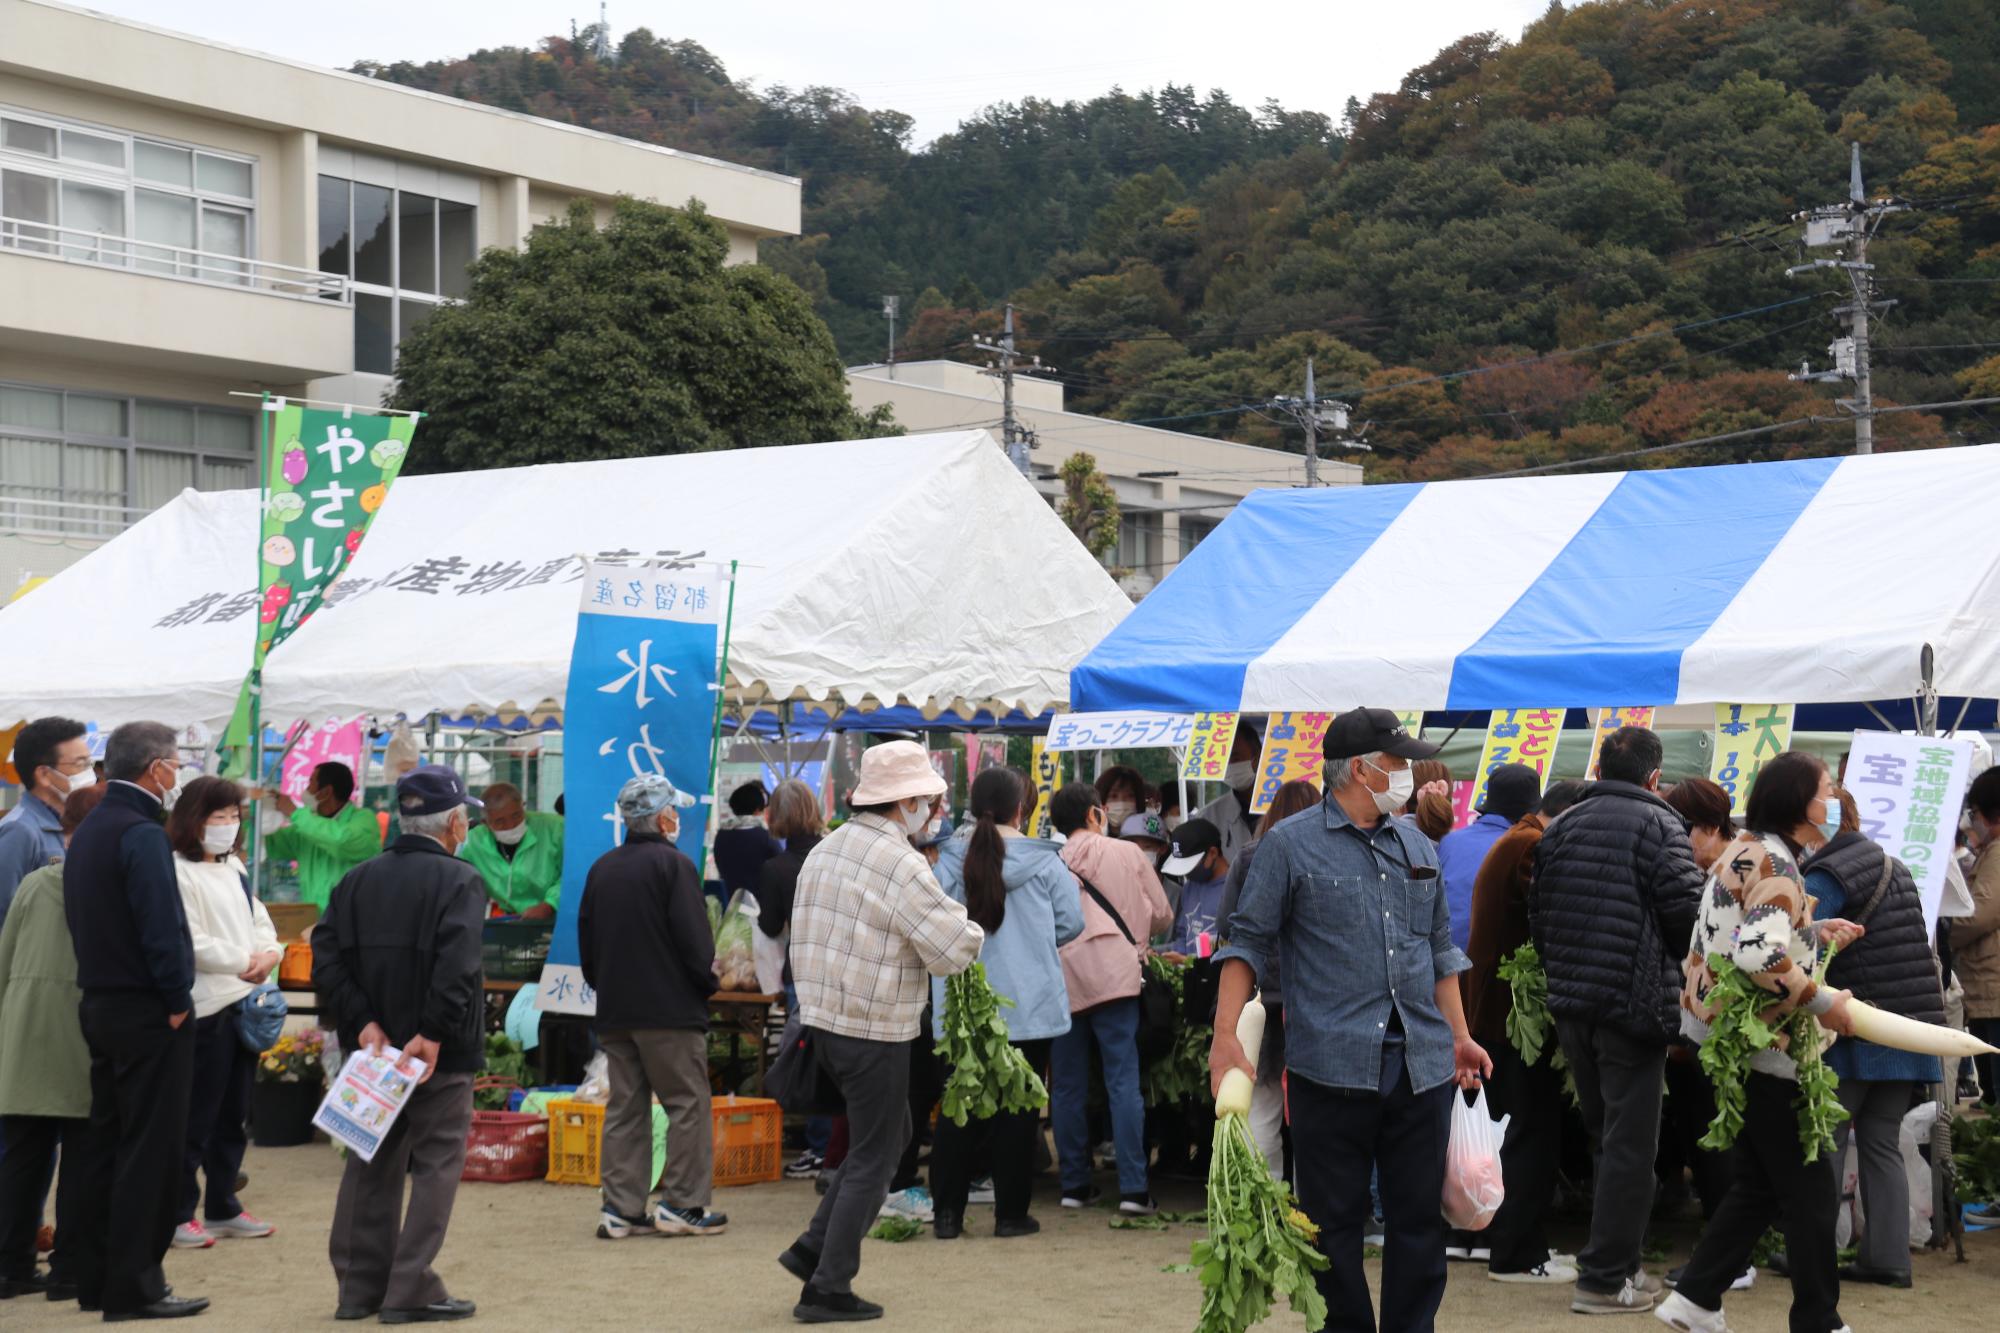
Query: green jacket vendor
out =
(519, 853)
(328, 836)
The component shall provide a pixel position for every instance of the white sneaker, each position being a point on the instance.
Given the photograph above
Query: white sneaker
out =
(1542, 1274)
(1749, 1280)
(1677, 1311)
(240, 1227)
(913, 1203)
(981, 1191)
(612, 1226)
(1457, 1253)
(192, 1236)
(1632, 1298)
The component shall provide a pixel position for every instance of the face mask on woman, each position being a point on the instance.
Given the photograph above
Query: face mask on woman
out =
(1118, 812)
(1829, 827)
(219, 838)
(918, 821)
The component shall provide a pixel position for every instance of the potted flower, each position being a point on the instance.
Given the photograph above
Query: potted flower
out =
(291, 1079)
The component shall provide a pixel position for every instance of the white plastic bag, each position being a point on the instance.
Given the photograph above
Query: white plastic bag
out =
(596, 1085)
(1473, 1189)
(770, 956)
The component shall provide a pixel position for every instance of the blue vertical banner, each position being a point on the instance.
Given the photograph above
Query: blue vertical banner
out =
(641, 699)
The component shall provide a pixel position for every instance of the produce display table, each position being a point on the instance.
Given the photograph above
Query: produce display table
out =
(739, 1015)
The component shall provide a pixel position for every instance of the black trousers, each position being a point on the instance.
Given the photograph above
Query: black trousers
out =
(26, 1163)
(1532, 1096)
(1618, 1080)
(1987, 1067)
(1338, 1139)
(1008, 1143)
(1773, 1183)
(141, 1072)
(217, 1113)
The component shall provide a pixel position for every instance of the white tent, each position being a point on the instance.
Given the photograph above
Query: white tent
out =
(922, 570)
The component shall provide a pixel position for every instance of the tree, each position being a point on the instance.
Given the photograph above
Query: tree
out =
(1089, 506)
(616, 342)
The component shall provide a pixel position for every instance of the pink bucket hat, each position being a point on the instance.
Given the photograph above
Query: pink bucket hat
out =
(896, 771)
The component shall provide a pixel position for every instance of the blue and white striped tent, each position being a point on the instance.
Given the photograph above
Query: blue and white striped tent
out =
(1818, 581)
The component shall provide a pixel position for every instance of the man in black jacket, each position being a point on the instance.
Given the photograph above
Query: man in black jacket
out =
(643, 933)
(396, 962)
(1615, 894)
(135, 964)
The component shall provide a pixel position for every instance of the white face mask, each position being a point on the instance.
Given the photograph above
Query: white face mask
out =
(1172, 822)
(76, 782)
(670, 834)
(510, 837)
(1239, 775)
(918, 821)
(1402, 786)
(1119, 811)
(219, 838)
(182, 776)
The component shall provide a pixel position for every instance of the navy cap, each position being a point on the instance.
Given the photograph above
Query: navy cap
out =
(432, 789)
(1193, 840)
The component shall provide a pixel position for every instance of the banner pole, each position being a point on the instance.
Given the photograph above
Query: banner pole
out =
(256, 685)
(715, 731)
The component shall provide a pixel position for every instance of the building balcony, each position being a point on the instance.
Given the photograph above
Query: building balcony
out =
(137, 303)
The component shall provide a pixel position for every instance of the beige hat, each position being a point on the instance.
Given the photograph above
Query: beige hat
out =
(896, 771)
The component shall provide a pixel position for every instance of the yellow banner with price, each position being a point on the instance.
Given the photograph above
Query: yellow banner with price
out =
(1518, 736)
(1208, 746)
(1046, 765)
(1606, 721)
(1291, 754)
(1747, 736)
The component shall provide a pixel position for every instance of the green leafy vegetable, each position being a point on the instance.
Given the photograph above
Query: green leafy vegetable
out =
(1975, 1152)
(1138, 1224)
(1530, 1026)
(1738, 1032)
(1182, 1071)
(506, 1061)
(988, 1075)
(897, 1229)
(1259, 1246)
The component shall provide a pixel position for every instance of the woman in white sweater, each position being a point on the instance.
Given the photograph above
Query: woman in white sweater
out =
(235, 949)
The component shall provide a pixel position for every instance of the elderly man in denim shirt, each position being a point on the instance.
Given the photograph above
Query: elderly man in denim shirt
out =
(1375, 1036)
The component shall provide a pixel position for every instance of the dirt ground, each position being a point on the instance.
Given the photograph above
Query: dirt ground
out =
(527, 1254)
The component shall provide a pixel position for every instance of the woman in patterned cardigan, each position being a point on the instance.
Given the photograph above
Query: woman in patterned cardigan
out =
(1755, 912)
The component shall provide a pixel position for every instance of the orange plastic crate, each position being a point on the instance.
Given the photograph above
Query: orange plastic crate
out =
(576, 1137)
(749, 1134)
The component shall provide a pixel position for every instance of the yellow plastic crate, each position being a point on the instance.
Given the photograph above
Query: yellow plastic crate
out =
(748, 1141)
(576, 1138)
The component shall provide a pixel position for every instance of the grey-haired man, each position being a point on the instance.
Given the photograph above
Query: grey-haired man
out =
(646, 949)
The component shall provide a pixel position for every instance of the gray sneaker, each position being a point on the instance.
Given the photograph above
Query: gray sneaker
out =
(1632, 1298)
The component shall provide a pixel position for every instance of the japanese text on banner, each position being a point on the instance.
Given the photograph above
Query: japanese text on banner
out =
(1605, 721)
(1046, 765)
(1120, 731)
(1292, 744)
(1908, 791)
(1208, 746)
(641, 699)
(1518, 736)
(1747, 736)
(332, 742)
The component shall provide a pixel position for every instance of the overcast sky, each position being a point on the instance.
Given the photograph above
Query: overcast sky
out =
(939, 61)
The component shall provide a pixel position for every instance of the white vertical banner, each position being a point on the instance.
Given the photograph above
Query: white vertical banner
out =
(1909, 790)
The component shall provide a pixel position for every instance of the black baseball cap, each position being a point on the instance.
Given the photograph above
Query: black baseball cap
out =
(1512, 790)
(432, 789)
(1192, 840)
(1368, 730)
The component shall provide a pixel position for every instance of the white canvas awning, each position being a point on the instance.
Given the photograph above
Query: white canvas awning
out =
(922, 570)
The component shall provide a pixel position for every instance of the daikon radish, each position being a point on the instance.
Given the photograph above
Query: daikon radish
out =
(1910, 1034)
(1233, 1097)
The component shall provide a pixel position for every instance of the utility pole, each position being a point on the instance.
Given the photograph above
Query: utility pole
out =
(1851, 225)
(889, 305)
(1312, 412)
(1015, 438)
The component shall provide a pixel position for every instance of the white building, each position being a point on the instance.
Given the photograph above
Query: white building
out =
(180, 219)
(1172, 487)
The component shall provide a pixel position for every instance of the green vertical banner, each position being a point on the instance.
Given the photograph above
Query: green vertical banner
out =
(326, 475)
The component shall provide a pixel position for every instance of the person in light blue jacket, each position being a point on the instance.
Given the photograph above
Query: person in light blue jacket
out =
(1027, 901)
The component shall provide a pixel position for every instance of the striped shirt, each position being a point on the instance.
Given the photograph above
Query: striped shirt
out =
(870, 925)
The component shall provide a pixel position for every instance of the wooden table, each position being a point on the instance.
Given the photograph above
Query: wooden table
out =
(741, 1014)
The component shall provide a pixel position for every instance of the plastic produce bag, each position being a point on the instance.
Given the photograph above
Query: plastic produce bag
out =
(735, 945)
(596, 1085)
(1473, 1190)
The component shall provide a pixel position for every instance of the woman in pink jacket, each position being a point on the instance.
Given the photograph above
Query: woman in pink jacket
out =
(1101, 968)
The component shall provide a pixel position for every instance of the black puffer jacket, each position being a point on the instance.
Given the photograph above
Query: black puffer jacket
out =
(1891, 966)
(1615, 895)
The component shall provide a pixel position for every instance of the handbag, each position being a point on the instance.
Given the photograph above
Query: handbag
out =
(795, 1080)
(260, 1017)
(1157, 1018)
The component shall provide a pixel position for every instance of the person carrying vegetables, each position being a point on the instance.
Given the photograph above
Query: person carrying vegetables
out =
(1757, 917)
(868, 923)
(1020, 893)
(1375, 1035)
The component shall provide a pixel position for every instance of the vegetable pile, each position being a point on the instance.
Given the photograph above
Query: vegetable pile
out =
(1182, 1072)
(1975, 1150)
(988, 1075)
(1738, 1033)
(506, 1069)
(1530, 1026)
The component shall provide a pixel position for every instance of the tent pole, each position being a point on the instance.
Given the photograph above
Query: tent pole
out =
(1927, 697)
(255, 740)
(1887, 725)
(715, 730)
(1964, 707)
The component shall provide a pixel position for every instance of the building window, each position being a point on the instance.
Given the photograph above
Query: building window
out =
(90, 464)
(150, 204)
(1192, 531)
(404, 250)
(1138, 542)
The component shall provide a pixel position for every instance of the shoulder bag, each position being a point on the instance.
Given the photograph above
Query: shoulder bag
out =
(1156, 998)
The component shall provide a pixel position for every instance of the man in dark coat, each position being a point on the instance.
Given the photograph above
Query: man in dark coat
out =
(135, 964)
(643, 935)
(1615, 895)
(396, 962)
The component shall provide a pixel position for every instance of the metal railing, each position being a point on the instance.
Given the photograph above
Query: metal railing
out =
(76, 246)
(65, 518)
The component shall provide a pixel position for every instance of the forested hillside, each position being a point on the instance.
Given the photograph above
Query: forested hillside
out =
(1571, 244)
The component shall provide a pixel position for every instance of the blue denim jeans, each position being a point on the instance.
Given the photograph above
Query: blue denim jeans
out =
(1115, 1028)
